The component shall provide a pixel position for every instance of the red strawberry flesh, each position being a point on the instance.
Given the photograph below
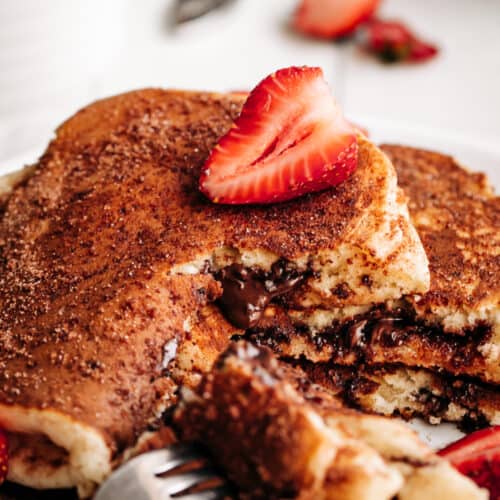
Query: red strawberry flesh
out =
(421, 51)
(392, 41)
(290, 139)
(4, 456)
(478, 457)
(332, 18)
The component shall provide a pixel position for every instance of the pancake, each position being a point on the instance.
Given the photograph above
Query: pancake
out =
(452, 329)
(110, 257)
(457, 215)
(277, 435)
(90, 400)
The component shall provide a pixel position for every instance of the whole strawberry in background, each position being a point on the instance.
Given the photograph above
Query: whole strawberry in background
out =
(478, 457)
(390, 41)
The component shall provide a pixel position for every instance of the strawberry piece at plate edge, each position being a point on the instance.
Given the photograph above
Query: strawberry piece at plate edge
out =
(478, 457)
(332, 18)
(393, 41)
(290, 139)
(4, 456)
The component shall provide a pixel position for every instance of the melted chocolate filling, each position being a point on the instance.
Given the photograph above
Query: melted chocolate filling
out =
(352, 340)
(247, 292)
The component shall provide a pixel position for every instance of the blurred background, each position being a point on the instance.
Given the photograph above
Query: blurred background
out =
(58, 55)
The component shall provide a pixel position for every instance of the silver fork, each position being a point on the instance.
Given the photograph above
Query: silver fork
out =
(187, 10)
(179, 471)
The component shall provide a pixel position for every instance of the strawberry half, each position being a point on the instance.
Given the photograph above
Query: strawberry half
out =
(478, 457)
(332, 18)
(4, 456)
(290, 139)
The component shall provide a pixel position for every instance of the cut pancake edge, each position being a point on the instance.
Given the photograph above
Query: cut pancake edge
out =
(380, 242)
(410, 393)
(404, 337)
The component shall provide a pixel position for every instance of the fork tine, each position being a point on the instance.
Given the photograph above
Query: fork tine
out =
(212, 494)
(183, 456)
(178, 483)
(136, 479)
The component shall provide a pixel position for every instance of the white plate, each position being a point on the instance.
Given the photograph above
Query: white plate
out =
(475, 156)
(478, 156)
(18, 162)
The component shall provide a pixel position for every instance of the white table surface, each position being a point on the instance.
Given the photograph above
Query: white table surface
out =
(58, 55)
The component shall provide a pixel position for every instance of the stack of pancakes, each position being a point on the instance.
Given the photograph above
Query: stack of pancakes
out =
(435, 354)
(120, 282)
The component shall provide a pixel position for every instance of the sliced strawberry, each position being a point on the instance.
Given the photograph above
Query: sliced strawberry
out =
(478, 456)
(4, 456)
(332, 18)
(290, 139)
(392, 41)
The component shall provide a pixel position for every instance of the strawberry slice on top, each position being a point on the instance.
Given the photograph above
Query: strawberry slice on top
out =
(332, 18)
(290, 139)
